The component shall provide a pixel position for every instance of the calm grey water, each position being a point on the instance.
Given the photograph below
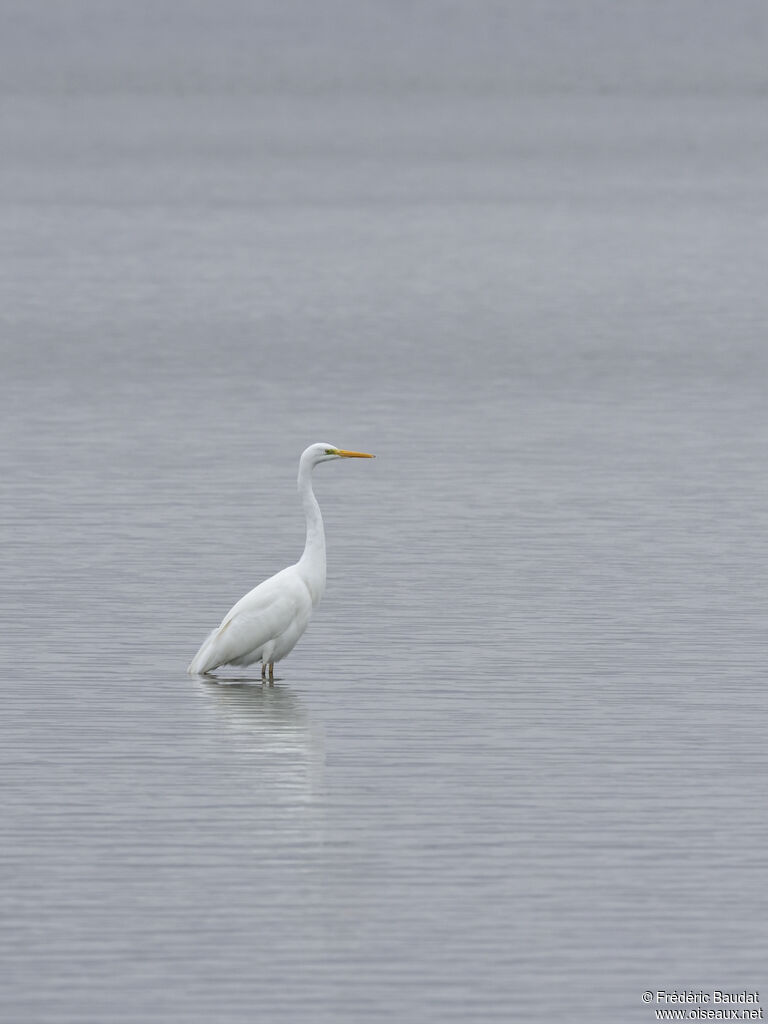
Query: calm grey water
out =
(516, 769)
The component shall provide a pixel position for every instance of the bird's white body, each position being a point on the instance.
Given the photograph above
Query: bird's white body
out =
(266, 624)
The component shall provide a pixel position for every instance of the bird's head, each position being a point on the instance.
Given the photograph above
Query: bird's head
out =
(324, 452)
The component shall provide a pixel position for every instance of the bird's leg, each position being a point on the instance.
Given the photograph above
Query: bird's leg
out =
(263, 670)
(271, 673)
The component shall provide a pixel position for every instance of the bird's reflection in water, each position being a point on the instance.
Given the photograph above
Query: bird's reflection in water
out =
(271, 725)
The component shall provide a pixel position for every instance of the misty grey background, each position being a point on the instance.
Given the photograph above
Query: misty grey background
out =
(516, 769)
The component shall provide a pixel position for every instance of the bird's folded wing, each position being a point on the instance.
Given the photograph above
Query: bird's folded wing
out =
(250, 629)
(262, 615)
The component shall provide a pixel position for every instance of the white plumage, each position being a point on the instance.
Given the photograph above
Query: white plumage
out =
(266, 624)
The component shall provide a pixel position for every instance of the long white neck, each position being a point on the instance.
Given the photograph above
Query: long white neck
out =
(312, 562)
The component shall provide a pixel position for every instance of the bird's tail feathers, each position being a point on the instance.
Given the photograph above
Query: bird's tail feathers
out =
(202, 661)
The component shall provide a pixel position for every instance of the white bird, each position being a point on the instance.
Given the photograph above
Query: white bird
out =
(266, 624)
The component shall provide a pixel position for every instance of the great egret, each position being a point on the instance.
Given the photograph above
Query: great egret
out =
(266, 624)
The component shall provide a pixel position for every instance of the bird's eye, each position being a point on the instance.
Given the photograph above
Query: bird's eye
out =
(330, 451)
